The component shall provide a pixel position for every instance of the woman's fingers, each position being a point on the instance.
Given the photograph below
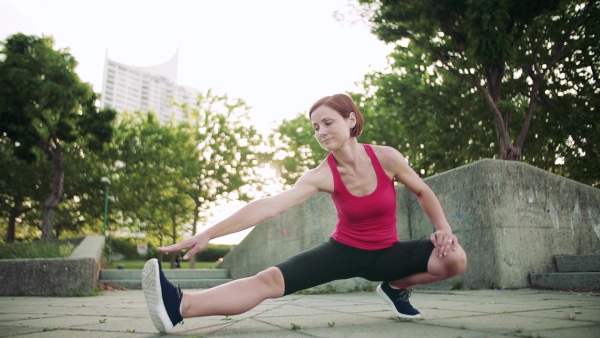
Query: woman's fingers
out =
(173, 247)
(443, 243)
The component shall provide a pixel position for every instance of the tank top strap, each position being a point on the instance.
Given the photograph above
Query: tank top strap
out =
(378, 168)
(337, 179)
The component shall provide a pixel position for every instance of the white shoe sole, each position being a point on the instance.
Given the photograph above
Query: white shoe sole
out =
(387, 299)
(153, 294)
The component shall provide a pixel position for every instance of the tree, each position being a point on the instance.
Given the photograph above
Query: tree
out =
(44, 105)
(169, 176)
(488, 43)
(436, 126)
(143, 171)
(296, 149)
(22, 186)
(220, 154)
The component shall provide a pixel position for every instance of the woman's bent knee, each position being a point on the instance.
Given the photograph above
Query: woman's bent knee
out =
(458, 262)
(449, 266)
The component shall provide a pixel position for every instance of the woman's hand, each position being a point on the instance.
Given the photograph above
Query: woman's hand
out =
(443, 242)
(196, 244)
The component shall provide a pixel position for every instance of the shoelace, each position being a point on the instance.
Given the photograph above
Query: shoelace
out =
(403, 295)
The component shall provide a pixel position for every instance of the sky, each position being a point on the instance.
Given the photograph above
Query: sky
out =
(278, 56)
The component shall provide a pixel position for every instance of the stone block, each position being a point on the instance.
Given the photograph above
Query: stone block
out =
(75, 275)
(510, 217)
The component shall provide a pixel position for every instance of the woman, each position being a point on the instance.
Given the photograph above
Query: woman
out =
(365, 244)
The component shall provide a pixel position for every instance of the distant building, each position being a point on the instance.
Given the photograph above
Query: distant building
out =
(152, 88)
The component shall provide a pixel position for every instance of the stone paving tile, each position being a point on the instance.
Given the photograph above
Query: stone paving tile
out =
(123, 325)
(472, 314)
(591, 331)
(321, 321)
(7, 318)
(264, 334)
(505, 324)
(11, 331)
(428, 314)
(288, 310)
(237, 327)
(580, 314)
(67, 321)
(391, 329)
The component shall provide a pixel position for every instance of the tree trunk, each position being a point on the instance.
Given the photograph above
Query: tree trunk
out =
(508, 150)
(48, 213)
(194, 229)
(173, 239)
(12, 223)
(160, 244)
(51, 203)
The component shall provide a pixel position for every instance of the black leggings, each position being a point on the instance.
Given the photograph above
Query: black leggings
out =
(333, 260)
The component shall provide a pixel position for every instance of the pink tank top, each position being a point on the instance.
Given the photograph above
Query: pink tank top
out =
(365, 222)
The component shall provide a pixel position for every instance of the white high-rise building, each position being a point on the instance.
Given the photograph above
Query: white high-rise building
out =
(153, 88)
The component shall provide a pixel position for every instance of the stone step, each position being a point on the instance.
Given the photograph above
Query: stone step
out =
(186, 279)
(136, 284)
(583, 281)
(170, 273)
(577, 263)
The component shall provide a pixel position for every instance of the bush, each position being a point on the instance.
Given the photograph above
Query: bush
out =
(36, 250)
(128, 248)
(212, 253)
(125, 246)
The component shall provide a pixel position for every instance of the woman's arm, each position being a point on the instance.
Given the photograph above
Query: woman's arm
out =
(442, 238)
(253, 213)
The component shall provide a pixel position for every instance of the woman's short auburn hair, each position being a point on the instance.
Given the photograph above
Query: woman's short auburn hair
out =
(344, 105)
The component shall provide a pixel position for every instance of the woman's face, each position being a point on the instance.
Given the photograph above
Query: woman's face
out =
(331, 128)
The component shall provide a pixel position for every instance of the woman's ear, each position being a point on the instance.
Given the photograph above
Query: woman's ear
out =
(352, 118)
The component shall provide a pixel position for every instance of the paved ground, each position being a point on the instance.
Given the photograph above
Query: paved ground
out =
(487, 313)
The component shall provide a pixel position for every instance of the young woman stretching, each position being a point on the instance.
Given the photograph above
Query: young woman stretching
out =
(360, 179)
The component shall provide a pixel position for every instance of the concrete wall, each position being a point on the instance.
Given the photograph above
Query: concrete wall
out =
(511, 218)
(75, 275)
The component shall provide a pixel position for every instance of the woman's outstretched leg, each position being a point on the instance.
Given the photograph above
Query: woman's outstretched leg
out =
(168, 305)
(235, 297)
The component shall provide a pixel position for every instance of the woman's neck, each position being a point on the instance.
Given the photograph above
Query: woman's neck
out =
(349, 154)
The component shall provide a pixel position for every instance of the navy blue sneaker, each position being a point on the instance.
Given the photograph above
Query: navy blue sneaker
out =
(398, 299)
(162, 297)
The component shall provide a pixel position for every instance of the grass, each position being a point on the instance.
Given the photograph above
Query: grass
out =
(139, 264)
(35, 250)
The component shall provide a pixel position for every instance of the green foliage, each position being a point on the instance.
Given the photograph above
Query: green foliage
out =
(45, 107)
(35, 250)
(222, 156)
(296, 149)
(169, 176)
(213, 252)
(533, 65)
(127, 246)
(436, 126)
(144, 177)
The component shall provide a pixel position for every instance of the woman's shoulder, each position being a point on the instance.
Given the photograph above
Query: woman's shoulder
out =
(390, 159)
(322, 169)
(386, 152)
(320, 176)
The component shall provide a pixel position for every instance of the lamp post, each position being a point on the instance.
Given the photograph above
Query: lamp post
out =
(106, 182)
